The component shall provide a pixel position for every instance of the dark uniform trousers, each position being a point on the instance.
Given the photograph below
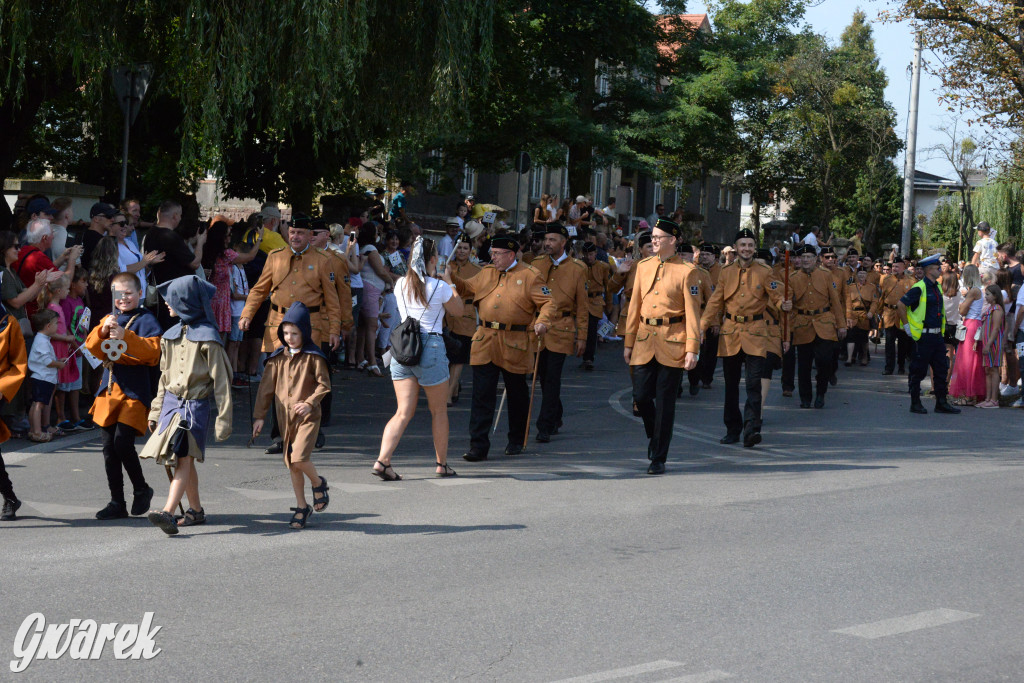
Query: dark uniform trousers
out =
(481, 414)
(6, 489)
(789, 369)
(655, 388)
(818, 352)
(930, 350)
(591, 349)
(705, 370)
(895, 336)
(549, 373)
(119, 451)
(732, 366)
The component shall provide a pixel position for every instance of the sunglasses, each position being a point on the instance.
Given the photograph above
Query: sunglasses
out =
(119, 222)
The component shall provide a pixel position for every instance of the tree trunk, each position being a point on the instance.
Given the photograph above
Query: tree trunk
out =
(755, 216)
(704, 192)
(16, 120)
(581, 166)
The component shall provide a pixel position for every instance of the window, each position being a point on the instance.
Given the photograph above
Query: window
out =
(603, 86)
(723, 198)
(657, 192)
(565, 180)
(597, 187)
(434, 178)
(536, 182)
(468, 179)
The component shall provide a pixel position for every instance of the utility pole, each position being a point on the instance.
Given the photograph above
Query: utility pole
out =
(911, 161)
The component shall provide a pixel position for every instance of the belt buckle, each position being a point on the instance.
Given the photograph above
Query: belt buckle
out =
(494, 326)
(740, 318)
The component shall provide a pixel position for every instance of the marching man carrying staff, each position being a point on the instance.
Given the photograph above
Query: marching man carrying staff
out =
(508, 294)
(662, 336)
(746, 289)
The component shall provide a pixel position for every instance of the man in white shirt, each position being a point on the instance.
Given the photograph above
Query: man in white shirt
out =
(811, 238)
(985, 250)
(659, 211)
(446, 245)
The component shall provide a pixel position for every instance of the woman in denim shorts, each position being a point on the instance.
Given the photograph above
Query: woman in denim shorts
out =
(425, 298)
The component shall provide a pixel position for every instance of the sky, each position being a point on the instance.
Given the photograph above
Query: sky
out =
(894, 44)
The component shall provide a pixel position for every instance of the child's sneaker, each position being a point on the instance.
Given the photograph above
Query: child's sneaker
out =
(85, 424)
(68, 426)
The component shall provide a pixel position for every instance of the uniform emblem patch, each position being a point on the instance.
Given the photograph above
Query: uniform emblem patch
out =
(834, 285)
(586, 286)
(310, 267)
(347, 279)
(694, 290)
(331, 277)
(773, 285)
(713, 289)
(546, 291)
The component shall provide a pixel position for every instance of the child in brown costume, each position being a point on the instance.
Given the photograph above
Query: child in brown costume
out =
(297, 375)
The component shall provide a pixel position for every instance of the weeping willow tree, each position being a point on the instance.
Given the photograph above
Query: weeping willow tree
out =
(339, 74)
(1001, 204)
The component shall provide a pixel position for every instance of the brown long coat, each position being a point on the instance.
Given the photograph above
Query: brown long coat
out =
(815, 291)
(464, 324)
(862, 303)
(299, 378)
(512, 297)
(599, 292)
(288, 277)
(663, 290)
(893, 288)
(744, 293)
(567, 284)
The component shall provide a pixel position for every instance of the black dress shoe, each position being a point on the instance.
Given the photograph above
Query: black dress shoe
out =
(706, 386)
(11, 506)
(543, 438)
(901, 371)
(751, 436)
(113, 511)
(474, 457)
(917, 407)
(805, 404)
(320, 440)
(656, 468)
(276, 448)
(833, 380)
(943, 406)
(514, 449)
(819, 402)
(729, 438)
(694, 389)
(886, 372)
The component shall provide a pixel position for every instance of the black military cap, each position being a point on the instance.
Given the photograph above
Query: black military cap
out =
(588, 247)
(302, 222)
(745, 233)
(827, 251)
(764, 255)
(683, 247)
(644, 239)
(805, 249)
(556, 229)
(504, 242)
(666, 224)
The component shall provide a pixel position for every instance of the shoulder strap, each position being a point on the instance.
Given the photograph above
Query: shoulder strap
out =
(21, 262)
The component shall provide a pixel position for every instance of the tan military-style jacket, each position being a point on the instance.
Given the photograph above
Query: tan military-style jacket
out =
(599, 292)
(862, 302)
(343, 283)
(623, 281)
(464, 324)
(288, 277)
(566, 283)
(893, 289)
(664, 290)
(842, 279)
(816, 291)
(875, 278)
(512, 297)
(742, 295)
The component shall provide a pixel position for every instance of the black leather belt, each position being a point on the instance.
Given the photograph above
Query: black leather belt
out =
(312, 309)
(566, 314)
(892, 307)
(468, 301)
(820, 310)
(595, 293)
(745, 318)
(857, 308)
(658, 322)
(503, 326)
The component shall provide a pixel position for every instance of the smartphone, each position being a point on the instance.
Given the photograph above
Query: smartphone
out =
(442, 262)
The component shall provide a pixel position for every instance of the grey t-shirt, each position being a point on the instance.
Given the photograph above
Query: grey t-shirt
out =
(10, 288)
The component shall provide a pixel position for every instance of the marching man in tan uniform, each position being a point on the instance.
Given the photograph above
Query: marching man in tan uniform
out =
(816, 325)
(738, 309)
(862, 302)
(508, 295)
(662, 336)
(565, 278)
(464, 326)
(840, 276)
(893, 287)
(625, 276)
(707, 260)
(599, 276)
(685, 251)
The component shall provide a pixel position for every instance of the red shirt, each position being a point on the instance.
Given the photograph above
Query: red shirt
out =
(31, 260)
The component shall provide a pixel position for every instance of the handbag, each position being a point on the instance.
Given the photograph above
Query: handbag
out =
(961, 331)
(452, 346)
(406, 343)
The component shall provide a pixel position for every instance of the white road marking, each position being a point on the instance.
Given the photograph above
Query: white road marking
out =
(458, 481)
(907, 623)
(600, 469)
(659, 665)
(705, 677)
(535, 476)
(55, 510)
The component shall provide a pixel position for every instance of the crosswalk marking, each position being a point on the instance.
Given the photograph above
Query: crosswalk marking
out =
(907, 623)
(55, 510)
(458, 481)
(598, 469)
(705, 677)
(659, 665)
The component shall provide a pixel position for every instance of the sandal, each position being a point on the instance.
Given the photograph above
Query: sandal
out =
(298, 522)
(39, 437)
(324, 499)
(383, 474)
(164, 520)
(448, 472)
(55, 431)
(192, 518)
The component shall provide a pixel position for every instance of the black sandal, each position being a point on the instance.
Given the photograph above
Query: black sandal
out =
(164, 520)
(324, 499)
(192, 518)
(448, 472)
(300, 522)
(383, 474)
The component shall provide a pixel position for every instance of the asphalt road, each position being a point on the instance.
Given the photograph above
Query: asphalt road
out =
(857, 543)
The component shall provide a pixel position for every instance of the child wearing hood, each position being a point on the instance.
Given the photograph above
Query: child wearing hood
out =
(296, 375)
(193, 365)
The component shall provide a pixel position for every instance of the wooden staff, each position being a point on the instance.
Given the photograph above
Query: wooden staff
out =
(785, 297)
(533, 389)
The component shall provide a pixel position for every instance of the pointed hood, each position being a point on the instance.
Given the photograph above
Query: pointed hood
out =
(298, 315)
(189, 296)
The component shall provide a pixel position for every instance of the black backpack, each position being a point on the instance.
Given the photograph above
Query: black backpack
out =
(406, 343)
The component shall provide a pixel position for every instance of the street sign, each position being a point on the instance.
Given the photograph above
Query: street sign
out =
(130, 85)
(523, 163)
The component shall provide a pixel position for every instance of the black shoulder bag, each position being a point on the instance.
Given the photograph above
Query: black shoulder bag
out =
(406, 343)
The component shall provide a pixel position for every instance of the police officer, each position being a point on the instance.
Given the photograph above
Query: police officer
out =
(662, 336)
(746, 290)
(893, 287)
(599, 276)
(923, 315)
(508, 295)
(298, 272)
(564, 278)
(816, 326)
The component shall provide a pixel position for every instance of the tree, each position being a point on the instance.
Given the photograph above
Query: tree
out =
(964, 155)
(982, 43)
